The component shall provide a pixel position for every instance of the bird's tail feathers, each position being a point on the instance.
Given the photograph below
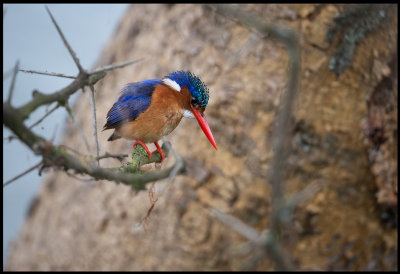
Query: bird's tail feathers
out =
(113, 137)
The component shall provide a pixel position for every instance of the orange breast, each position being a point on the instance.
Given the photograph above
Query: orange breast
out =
(160, 118)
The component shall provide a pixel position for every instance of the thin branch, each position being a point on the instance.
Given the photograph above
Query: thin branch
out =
(76, 60)
(250, 21)
(11, 91)
(22, 174)
(234, 223)
(178, 167)
(153, 201)
(47, 114)
(10, 138)
(48, 73)
(109, 155)
(116, 66)
(179, 163)
(8, 73)
(309, 191)
(77, 126)
(120, 157)
(60, 96)
(252, 261)
(93, 104)
(71, 149)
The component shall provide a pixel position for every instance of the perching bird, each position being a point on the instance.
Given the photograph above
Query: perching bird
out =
(153, 108)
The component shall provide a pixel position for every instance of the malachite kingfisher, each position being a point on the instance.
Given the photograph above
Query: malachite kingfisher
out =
(151, 109)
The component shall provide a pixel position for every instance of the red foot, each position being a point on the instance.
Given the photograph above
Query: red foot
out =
(144, 146)
(159, 150)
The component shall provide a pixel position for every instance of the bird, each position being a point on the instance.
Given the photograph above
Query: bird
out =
(148, 110)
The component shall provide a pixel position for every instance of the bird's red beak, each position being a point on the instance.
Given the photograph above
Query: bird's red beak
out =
(201, 119)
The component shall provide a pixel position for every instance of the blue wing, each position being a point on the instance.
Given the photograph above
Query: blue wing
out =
(135, 98)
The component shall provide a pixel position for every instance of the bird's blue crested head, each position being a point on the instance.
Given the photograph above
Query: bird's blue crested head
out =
(197, 88)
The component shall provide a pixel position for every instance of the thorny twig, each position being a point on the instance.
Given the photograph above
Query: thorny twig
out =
(309, 191)
(10, 138)
(230, 221)
(179, 166)
(8, 73)
(11, 90)
(93, 105)
(22, 174)
(76, 60)
(116, 66)
(71, 114)
(48, 73)
(44, 116)
(109, 155)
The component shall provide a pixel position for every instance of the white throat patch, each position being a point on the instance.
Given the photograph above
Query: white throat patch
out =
(188, 114)
(172, 84)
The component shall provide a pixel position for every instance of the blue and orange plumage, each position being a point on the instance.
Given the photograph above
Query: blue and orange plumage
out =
(151, 109)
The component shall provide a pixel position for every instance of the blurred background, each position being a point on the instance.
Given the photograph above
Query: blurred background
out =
(30, 37)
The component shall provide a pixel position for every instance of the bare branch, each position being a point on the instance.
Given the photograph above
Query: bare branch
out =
(58, 157)
(77, 126)
(60, 96)
(71, 149)
(252, 261)
(109, 155)
(116, 66)
(178, 167)
(90, 179)
(153, 201)
(10, 138)
(48, 73)
(10, 93)
(305, 193)
(76, 60)
(22, 174)
(93, 104)
(284, 35)
(47, 114)
(179, 164)
(232, 222)
(8, 73)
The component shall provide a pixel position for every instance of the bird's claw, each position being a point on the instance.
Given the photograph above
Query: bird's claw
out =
(158, 149)
(144, 146)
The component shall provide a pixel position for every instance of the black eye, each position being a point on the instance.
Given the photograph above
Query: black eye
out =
(194, 102)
